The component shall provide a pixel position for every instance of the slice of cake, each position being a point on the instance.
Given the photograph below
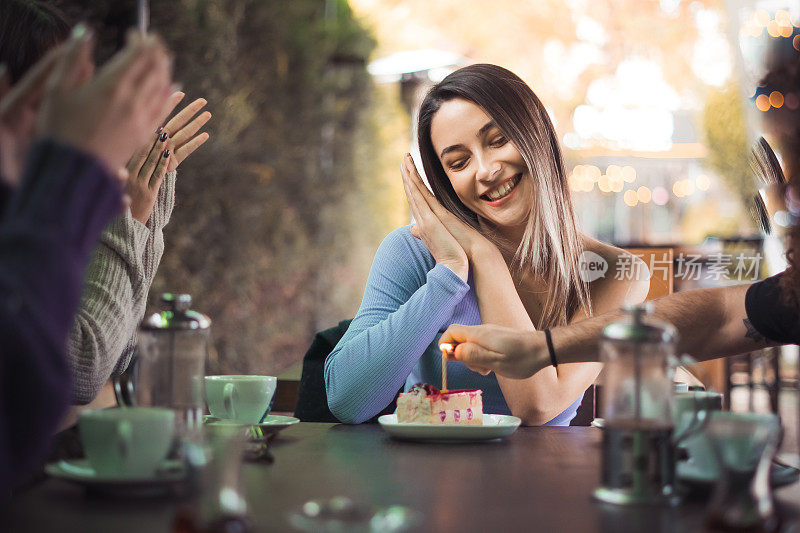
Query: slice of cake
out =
(424, 404)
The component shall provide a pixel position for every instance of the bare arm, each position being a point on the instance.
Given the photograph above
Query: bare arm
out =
(542, 396)
(711, 323)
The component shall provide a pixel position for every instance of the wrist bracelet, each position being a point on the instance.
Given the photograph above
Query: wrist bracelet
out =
(550, 348)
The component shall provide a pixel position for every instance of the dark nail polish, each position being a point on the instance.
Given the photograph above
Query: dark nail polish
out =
(163, 136)
(166, 154)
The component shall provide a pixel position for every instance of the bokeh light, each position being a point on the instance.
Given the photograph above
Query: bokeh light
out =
(774, 29)
(643, 194)
(776, 99)
(762, 18)
(762, 102)
(782, 17)
(628, 174)
(604, 184)
(630, 198)
(796, 42)
(792, 102)
(660, 196)
(702, 182)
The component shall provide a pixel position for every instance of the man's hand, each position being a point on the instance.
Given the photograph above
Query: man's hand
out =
(504, 351)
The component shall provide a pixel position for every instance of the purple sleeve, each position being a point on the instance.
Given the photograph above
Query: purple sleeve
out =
(47, 231)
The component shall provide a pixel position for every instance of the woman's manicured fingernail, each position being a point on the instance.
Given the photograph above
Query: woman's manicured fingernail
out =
(160, 129)
(163, 137)
(166, 154)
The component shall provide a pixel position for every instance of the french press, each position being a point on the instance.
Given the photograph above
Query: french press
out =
(638, 459)
(172, 354)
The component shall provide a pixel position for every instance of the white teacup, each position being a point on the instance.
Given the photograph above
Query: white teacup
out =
(688, 423)
(129, 442)
(245, 399)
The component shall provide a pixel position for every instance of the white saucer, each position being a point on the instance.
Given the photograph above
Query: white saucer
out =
(494, 427)
(78, 471)
(779, 474)
(270, 423)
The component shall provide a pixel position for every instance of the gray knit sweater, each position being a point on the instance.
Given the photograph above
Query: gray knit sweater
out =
(118, 279)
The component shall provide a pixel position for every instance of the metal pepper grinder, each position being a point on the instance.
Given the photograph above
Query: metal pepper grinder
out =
(638, 459)
(172, 352)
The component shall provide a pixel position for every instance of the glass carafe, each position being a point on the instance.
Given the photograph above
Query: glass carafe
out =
(172, 355)
(638, 460)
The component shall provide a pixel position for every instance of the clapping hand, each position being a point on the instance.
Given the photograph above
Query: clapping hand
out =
(112, 113)
(167, 149)
(444, 247)
(19, 105)
(433, 220)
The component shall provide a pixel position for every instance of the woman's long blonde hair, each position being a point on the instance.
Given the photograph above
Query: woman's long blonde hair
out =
(551, 245)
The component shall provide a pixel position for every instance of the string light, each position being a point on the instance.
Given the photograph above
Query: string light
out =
(643, 194)
(677, 189)
(762, 102)
(774, 29)
(630, 198)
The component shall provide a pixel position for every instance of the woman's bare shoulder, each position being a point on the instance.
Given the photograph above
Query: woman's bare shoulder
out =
(626, 279)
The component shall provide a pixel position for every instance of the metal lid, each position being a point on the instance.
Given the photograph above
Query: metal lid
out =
(177, 316)
(638, 327)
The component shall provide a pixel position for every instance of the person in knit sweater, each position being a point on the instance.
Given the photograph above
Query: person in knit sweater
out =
(124, 263)
(72, 131)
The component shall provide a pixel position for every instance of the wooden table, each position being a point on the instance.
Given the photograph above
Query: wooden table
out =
(538, 479)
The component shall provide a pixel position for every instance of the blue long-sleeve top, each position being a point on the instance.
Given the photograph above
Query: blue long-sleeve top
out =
(48, 228)
(392, 343)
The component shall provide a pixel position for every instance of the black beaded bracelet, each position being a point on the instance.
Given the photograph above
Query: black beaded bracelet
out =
(550, 348)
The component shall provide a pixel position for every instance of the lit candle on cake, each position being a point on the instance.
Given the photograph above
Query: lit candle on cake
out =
(445, 347)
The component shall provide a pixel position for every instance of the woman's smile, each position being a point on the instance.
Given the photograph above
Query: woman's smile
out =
(500, 194)
(485, 169)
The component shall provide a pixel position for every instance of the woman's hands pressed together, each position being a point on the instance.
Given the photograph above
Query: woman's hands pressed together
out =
(451, 242)
(168, 148)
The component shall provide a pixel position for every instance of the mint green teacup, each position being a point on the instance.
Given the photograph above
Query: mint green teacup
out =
(127, 443)
(245, 399)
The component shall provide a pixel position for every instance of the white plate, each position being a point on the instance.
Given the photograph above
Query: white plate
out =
(494, 427)
(271, 422)
(79, 471)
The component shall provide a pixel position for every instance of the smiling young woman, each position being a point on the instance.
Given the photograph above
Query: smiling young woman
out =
(496, 243)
